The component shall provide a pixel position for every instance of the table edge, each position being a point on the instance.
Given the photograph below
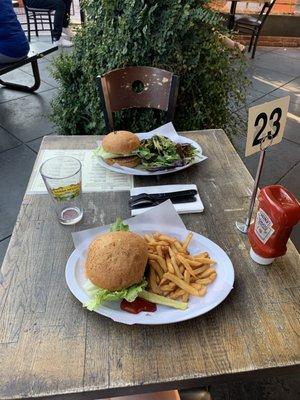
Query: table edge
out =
(93, 393)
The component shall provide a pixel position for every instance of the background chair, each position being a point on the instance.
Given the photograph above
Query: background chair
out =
(40, 17)
(248, 23)
(137, 87)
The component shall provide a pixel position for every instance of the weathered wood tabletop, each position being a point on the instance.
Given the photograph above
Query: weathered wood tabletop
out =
(50, 345)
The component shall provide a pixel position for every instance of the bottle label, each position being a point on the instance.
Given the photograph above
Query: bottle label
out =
(263, 226)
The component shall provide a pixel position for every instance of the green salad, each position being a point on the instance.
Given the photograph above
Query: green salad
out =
(159, 153)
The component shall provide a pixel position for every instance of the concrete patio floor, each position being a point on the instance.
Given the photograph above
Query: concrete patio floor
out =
(275, 72)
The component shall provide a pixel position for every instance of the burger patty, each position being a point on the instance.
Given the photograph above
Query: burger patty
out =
(130, 162)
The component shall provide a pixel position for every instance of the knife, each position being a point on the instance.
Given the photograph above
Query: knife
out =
(144, 203)
(162, 196)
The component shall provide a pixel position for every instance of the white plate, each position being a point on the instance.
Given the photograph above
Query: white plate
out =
(216, 292)
(139, 171)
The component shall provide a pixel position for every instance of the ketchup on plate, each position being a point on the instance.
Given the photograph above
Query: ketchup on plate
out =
(137, 306)
(278, 211)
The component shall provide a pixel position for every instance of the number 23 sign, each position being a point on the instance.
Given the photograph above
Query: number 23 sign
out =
(266, 123)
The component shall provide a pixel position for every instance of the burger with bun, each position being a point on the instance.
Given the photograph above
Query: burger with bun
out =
(120, 147)
(115, 266)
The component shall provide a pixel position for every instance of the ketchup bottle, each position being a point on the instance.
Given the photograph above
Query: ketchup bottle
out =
(278, 211)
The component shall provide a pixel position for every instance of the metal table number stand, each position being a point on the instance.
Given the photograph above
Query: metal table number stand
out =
(243, 226)
(266, 123)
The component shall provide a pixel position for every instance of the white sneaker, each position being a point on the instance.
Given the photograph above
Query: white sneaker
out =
(63, 42)
(68, 33)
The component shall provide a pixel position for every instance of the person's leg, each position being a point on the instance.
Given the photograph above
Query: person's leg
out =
(67, 13)
(59, 7)
(66, 30)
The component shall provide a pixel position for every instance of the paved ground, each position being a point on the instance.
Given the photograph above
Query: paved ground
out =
(275, 72)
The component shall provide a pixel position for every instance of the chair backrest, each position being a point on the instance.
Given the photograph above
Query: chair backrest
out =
(137, 87)
(267, 8)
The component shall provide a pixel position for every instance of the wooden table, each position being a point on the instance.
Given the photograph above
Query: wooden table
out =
(50, 345)
(233, 10)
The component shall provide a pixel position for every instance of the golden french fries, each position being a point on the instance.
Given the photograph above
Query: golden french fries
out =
(178, 293)
(168, 287)
(157, 268)
(178, 246)
(174, 272)
(181, 283)
(208, 280)
(187, 241)
(205, 260)
(199, 270)
(152, 282)
(186, 265)
(187, 276)
(161, 261)
(170, 265)
(174, 263)
(166, 238)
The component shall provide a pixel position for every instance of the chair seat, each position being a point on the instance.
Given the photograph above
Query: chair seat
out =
(246, 20)
(40, 10)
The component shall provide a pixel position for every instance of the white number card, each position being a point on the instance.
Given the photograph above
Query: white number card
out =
(266, 123)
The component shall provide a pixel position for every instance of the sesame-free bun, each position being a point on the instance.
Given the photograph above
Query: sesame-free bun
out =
(116, 260)
(120, 142)
(129, 162)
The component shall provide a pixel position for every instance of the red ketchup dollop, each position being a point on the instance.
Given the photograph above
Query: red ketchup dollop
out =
(137, 306)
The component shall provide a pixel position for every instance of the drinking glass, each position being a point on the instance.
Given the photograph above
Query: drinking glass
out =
(62, 177)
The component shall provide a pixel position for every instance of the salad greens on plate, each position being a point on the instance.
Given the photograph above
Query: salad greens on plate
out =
(160, 152)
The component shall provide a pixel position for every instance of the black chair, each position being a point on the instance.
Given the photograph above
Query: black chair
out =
(247, 23)
(137, 87)
(36, 52)
(38, 16)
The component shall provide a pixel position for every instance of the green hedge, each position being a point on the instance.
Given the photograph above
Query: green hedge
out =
(176, 35)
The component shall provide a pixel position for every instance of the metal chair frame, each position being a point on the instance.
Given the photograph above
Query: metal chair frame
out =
(36, 52)
(256, 29)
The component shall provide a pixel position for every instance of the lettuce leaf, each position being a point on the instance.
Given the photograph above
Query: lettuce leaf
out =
(119, 226)
(98, 296)
(100, 152)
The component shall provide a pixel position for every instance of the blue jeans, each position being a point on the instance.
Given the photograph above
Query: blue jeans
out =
(61, 16)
